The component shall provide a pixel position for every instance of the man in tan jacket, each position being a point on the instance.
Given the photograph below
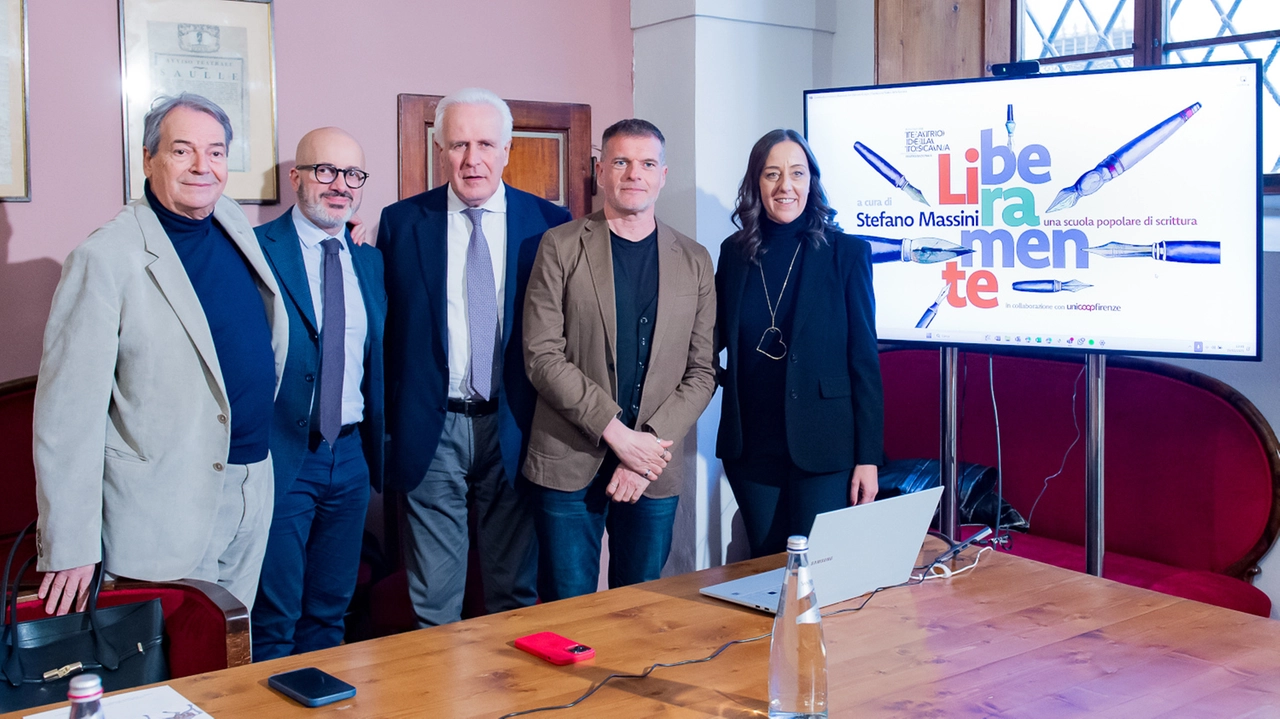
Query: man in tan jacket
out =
(618, 323)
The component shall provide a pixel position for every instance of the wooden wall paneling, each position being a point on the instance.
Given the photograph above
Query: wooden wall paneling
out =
(889, 42)
(998, 41)
(537, 165)
(922, 40)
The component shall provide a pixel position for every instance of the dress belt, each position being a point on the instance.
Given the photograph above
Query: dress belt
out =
(473, 407)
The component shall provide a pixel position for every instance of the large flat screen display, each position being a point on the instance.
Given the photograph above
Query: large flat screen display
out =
(1103, 211)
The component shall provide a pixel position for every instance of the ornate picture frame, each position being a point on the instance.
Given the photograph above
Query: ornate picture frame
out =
(15, 157)
(222, 49)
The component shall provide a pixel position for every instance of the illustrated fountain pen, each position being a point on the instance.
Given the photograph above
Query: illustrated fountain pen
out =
(924, 250)
(1050, 286)
(895, 178)
(1123, 159)
(1189, 251)
(1009, 125)
(932, 312)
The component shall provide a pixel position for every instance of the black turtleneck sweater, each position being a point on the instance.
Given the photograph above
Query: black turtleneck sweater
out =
(237, 320)
(762, 381)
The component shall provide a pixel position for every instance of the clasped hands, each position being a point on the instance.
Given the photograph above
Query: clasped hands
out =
(642, 458)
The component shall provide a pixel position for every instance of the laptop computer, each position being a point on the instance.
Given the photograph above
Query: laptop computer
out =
(851, 552)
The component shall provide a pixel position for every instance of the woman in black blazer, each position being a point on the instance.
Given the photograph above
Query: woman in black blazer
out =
(801, 425)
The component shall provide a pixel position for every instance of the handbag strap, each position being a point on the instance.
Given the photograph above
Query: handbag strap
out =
(104, 652)
(8, 565)
(12, 668)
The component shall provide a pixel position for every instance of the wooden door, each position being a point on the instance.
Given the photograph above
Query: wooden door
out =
(550, 150)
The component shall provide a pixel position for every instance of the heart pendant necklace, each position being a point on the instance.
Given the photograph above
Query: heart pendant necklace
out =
(771, 344)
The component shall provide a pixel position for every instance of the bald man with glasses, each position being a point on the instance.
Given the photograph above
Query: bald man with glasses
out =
(327, 432)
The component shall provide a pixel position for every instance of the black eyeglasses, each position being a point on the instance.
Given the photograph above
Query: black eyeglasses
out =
(326, 174)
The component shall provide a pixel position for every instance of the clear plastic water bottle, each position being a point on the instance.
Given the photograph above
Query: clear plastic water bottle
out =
(85, 694)
(797, 654)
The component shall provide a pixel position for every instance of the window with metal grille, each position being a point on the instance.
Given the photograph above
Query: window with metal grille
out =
(1071, 35)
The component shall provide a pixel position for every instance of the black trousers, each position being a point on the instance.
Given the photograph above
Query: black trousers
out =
(778, 499)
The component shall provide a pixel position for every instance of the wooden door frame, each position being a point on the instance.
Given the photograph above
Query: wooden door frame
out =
(416, 113)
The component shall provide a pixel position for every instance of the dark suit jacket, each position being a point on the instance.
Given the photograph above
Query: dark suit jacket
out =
(835, 403)
(413, 237)
(291, 426)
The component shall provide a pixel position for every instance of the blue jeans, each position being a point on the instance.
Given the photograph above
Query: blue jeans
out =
(313, 553)
(570, 529)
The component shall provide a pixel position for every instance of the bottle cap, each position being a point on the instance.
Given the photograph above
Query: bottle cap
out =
(798, 543)
(85, 687)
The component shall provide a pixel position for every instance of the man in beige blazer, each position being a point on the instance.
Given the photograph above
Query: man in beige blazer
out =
(618, 323)
(162, 355)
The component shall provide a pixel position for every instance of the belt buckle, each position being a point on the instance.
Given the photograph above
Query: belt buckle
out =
(471, 407)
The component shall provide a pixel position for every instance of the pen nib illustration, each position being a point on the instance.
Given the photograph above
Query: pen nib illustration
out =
(922, 250)
(1121, 160)
(914, 194)
(889, 172)
(1067, 197)
(927, 318)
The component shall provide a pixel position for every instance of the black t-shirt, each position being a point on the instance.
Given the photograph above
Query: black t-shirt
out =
(635, 291)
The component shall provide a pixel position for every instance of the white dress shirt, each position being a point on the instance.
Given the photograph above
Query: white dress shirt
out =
(494, 224)
(357, 319)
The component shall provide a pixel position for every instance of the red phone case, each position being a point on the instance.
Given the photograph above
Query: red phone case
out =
(554, 648)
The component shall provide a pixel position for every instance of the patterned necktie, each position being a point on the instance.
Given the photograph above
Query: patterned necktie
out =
(482, 307)
(333, 331)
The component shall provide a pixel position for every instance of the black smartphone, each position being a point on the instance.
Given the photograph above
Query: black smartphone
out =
(311, 687)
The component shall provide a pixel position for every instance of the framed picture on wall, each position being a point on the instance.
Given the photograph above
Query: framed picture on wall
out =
(221, 49)
(15, 174)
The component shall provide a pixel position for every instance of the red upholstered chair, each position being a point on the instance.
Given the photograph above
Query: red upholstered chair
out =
(391, 611)
(17, 471)
(206, 628)
(1192, 467)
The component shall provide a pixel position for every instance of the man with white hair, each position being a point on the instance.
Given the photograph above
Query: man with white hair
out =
(459, 403)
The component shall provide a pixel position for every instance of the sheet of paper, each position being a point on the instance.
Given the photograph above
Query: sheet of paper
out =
(156, 703)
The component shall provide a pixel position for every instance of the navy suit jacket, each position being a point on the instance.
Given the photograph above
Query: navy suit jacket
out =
(413, 238)
(291, 426)
(835, 402)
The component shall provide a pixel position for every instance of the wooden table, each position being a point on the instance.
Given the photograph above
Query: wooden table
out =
(1014, 638)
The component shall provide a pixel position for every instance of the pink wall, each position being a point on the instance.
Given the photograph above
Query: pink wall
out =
(552, 50)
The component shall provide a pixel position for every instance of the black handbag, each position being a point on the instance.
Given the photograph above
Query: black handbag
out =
(124, 645)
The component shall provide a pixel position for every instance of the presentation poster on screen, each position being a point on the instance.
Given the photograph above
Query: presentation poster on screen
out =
(1106, 211)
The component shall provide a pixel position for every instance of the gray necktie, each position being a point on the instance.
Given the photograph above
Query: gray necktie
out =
(333, 331)
(482, 306)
